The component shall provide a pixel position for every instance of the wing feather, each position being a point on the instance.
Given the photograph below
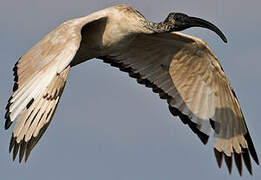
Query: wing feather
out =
(40, 76)
(37, 74)
(38, 115)
(184, 70)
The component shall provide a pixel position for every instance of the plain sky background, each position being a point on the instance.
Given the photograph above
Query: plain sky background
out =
(109, 127)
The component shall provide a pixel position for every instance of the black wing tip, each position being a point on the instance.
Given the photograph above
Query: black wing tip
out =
(12, 142)
(194, 127)
(251, 148)
(8, 121)
(238, 162)
(21, 148)
(228, 160)
(15, 87)
(15, 150)
(237, 158)
(247, 160)
(203, 137)
(219, 157)
(27, 153)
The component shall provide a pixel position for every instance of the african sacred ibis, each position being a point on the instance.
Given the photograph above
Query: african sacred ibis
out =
(181, 68)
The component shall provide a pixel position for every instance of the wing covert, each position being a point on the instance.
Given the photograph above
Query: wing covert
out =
(185, 71)
(40, 77)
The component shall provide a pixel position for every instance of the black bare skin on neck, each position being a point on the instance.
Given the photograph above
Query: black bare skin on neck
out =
(180, 21)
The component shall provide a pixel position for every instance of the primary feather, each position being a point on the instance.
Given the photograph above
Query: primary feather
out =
(181, 68)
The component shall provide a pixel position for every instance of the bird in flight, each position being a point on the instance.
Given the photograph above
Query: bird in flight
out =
(182, 69)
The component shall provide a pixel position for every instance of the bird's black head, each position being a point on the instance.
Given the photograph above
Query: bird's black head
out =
(180, 21)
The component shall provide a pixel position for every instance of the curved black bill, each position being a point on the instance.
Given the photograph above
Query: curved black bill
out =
(197, 22)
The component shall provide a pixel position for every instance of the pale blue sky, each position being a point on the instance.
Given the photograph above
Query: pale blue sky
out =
(109, 127)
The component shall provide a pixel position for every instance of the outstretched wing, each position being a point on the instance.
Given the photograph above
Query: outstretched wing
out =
(40, 77)
(185, 71)
(34, 119)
